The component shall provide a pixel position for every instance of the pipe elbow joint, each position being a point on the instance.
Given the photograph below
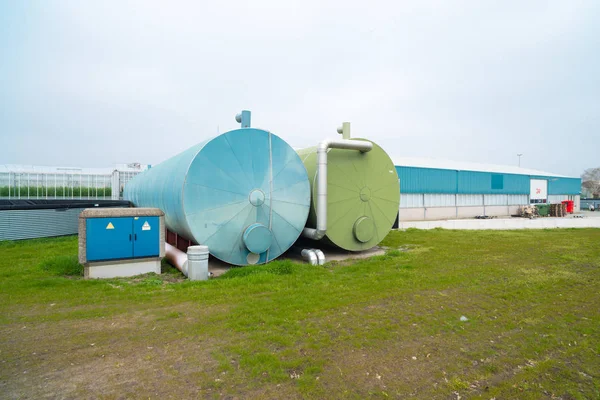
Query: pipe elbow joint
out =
(320, 233)
(320, 256)
(310, 256)
(323, 146)
(314, 234)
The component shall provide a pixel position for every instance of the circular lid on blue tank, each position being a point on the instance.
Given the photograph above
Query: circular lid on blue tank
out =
(246, 196)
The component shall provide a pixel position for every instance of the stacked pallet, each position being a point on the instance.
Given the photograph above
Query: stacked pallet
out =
(558, 210)
(528, 212)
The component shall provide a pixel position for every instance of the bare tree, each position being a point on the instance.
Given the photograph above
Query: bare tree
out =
(590, 180)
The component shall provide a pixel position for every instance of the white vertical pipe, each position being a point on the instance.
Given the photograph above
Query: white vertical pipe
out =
(321, 206)
(456, 204)
(483, 197)
(344, 130)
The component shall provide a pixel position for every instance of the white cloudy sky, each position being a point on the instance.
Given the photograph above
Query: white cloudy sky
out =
(92, 84)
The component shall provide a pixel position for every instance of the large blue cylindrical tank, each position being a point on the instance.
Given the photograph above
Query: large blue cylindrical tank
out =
(245, 194)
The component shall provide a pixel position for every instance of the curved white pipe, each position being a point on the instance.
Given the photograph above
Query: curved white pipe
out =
(320, 256)
(310, 256)
(177, 258)
(321, 206)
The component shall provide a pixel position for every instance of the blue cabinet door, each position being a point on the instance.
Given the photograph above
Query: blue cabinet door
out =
(146, 236)
(108, 238)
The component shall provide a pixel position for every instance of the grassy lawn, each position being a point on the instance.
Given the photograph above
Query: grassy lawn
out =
(386, 327)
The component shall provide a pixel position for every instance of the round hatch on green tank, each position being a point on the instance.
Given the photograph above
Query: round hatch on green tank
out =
(363, 195)
(363, 230)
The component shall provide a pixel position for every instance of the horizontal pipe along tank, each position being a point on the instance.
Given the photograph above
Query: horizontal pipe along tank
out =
(245, 194)
(363, 195)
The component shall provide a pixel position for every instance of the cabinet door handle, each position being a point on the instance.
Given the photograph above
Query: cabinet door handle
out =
(130, 237)
(135, 236)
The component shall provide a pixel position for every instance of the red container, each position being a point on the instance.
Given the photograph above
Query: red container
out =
(570, 204)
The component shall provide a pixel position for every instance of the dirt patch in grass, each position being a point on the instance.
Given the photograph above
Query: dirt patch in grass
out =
(85, 358)
(137, 371)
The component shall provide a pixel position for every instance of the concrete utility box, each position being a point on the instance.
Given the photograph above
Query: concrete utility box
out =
(121, 241)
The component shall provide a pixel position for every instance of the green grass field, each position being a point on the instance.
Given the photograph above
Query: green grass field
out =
(386, 327)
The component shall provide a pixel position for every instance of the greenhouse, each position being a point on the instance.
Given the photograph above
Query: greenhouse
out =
(38, 182)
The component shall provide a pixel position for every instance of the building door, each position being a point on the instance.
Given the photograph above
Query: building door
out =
(538, 191)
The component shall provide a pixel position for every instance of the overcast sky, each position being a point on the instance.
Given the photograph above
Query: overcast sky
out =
(92, 84)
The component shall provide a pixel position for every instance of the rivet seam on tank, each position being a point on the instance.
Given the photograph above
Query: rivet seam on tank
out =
(270, 188)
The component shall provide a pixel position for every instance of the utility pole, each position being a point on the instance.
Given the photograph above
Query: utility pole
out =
(519, 155)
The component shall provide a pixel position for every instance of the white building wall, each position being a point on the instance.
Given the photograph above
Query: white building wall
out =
(435, 213)
(411, 200)
(497, 211)
(495, 199)
(518, 199)
(423, 207)
(411, 214)
(429, 207)
(557, 198)
(465, 200)
(470, 212)
(440, 200)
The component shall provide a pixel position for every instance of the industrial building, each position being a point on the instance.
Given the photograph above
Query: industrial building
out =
(439, 189)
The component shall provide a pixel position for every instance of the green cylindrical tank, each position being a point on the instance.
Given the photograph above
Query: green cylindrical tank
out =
(363, 195)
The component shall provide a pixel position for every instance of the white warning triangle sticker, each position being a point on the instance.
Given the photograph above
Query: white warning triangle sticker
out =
(146, 226)
(110, 226)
